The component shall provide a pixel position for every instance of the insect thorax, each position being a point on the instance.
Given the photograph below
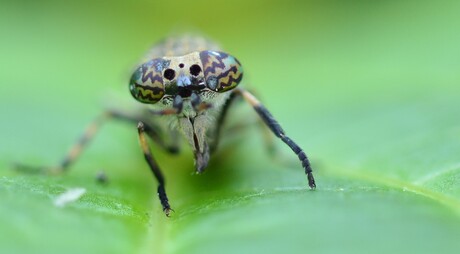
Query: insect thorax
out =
(179, 46)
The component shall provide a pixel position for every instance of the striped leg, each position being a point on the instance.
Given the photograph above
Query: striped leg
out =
(150, 129)
(87, 136)
(267, 135)
(275, 127)
(74, 152)
(155, 169)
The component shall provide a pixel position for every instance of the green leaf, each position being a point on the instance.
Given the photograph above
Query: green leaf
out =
(369, 90)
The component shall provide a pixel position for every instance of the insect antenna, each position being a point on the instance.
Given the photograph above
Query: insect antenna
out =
(178, 104)
(197, 104)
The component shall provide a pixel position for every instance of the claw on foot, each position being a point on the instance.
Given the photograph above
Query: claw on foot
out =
(311, 181)
(167, 211)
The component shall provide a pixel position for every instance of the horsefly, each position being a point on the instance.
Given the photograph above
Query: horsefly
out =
(189, 82)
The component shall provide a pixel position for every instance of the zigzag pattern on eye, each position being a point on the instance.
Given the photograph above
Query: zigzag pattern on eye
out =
(231, 79)
(152, 76)
(148, 93)
(214, 64)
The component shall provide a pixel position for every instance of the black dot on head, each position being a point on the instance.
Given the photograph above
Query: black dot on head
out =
(181, 65)
(195, 69)
(169, 74)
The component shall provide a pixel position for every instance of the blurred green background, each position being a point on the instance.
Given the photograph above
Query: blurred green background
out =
(370, 89)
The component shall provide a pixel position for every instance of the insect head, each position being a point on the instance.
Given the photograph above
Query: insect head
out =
(183, 75)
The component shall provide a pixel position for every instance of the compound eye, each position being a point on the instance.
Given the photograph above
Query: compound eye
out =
(222, 71)
(169, 74)
(146, 83)
(195, 70)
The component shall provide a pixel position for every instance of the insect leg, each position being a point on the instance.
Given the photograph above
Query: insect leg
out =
(150, 130)
(74, 152)
(221, 120)
(155, 169)
(87, 136)
(275, 127)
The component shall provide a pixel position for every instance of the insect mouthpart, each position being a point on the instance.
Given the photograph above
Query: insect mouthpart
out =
(184, 92)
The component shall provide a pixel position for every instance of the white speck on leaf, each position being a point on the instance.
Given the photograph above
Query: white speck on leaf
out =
(69, 196)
